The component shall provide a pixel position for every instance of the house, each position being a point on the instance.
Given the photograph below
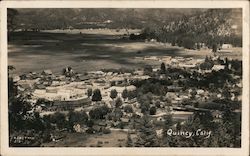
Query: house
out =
(125, 120)
(78, 128)
(198, 61)
(55, 83)
(174, 61)
(217, 114)
(155, 69)
(183, 65)
(173, 88)
(16, 78)
(26, 84)
(154, 58)
(97, 73)
(56, 137)
(160, 118)
(40, 86)
(219, 96)
(200, 91)
(160, 133)
(23, 76)
(139, 77)
(218, 67)
(139, 114)
(40, 91)
(61, 77)
(97, 128)
(115, 123)
(181, 59)
(103, 124)
(171, 95)
(19, 88)
(226, 46)
(47, 72)
(166, 59)
(132, 101)
(109, 74)
(58, 104)
(117, 80)
(181, 115)
(29, 76)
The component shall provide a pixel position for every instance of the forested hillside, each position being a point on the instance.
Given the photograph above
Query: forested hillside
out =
(183, 27)
(118, 18)
(212, 26)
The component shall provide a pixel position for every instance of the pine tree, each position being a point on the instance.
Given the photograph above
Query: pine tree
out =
(118, 102)
(89, 92)
(113, 94)
(163, 68)
(125, 93)
(97, 96)
(129, 141)
(146, 136)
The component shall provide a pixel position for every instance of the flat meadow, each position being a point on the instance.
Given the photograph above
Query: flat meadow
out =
(91, 49)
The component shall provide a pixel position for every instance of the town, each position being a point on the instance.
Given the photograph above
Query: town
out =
(171, 95)
(125, 77)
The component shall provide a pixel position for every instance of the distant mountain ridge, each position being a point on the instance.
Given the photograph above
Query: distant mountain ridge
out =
(199, 23)
(51, 18)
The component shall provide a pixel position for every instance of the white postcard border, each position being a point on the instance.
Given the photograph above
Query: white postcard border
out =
(6, 150)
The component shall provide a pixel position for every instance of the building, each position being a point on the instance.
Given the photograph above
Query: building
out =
(27, 84)
(187, 65)
(218, 67)
(71, 104)
(154, 58)
(226, 46)
(67, 92)
(166, 59)
(181, 115)
(117, 80)
(174, 88)
(16, 78)
(47, 72)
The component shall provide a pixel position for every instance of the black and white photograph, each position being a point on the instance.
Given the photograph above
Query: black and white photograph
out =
(125, 77)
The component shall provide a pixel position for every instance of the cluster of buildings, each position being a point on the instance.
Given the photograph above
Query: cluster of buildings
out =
(70, 92)
(189, 63)
(60, 92)
(176, 61)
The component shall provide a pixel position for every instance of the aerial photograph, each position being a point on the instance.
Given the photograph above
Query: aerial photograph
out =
(124, 77)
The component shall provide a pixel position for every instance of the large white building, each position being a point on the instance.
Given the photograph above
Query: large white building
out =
(69, 92)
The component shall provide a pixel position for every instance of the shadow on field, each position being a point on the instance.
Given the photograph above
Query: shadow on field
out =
(96, 47)
(38, 50)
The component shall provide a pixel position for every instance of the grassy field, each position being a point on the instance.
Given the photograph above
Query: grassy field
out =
(89, 50)
(114, 139)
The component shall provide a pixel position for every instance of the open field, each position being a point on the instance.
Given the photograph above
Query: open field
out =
(114, 139)
(90, 50)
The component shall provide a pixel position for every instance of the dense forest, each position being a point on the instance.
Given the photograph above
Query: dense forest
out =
(213, 26)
